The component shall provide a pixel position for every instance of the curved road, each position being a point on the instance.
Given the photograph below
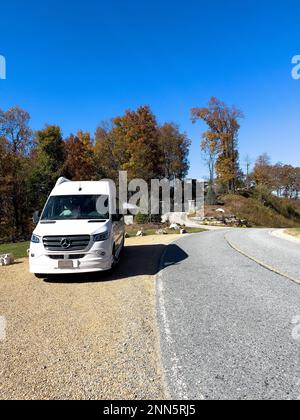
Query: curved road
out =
(227, 323)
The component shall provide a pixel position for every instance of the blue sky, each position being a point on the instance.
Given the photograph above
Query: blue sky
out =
(76, 63)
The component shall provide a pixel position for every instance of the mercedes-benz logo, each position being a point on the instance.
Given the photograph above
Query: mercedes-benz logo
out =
(65, 243)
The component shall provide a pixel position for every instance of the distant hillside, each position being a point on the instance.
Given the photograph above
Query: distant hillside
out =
(263, 209)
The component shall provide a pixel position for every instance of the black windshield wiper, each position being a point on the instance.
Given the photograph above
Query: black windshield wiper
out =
(48, 222)
(97, 221)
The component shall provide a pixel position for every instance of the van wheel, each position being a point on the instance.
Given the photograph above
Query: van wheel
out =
(115, 258)
(123, 244)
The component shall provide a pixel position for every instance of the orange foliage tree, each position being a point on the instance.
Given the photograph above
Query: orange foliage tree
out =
(222, 138)
(80, 161)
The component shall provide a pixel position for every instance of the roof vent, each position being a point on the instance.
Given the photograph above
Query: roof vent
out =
(62, 180)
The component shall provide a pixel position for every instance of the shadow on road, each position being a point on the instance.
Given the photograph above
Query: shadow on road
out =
(135, 261)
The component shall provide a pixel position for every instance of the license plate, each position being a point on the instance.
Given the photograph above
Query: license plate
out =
(65, 264)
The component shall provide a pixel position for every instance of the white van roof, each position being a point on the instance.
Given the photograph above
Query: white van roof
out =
(66, 187)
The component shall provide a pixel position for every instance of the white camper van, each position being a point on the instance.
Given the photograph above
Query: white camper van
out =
(79, 231)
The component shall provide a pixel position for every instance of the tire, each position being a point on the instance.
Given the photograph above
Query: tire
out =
(123, 245)
(115, 260)
(40, 276)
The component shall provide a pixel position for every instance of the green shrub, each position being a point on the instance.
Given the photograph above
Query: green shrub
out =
(155, 218)
(211, 197)
(141, 219)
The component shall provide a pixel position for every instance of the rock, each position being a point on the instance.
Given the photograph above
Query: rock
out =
(174, 226)
(126, 235)
(183, 232)
(161, 232)
(175, 218)
(220, 211)
(140, 233)
(129, 220)
(6, 259)
(197, 219)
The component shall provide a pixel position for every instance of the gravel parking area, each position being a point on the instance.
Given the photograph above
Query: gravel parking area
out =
(86, 337)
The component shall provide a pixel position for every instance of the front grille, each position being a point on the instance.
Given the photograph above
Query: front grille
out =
(56, 257)
(66, 243)
(69, 257)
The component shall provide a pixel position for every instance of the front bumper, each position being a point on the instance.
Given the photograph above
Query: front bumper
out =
(41, 262)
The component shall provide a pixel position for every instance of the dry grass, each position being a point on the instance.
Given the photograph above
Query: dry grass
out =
(266, 211)
(293, 232)
(19, 250)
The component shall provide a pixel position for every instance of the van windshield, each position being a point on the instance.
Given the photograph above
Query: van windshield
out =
(77, 207)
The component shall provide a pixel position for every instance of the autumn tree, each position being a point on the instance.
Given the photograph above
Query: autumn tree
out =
(263, 173)
(5, 182)
(16, 138)
(276, 174)
(210, 154)
(136, 137)
(135, 143)
(174, 147)
(110, 154)
(209, 148)
(222, 136)
(279, 178)
(15, 129)
(80, 160)
(289, 180)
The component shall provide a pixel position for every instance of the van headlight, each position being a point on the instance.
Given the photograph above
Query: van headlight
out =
(35, 239)
(101, 237)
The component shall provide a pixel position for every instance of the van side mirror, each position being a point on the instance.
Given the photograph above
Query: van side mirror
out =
(36, 217)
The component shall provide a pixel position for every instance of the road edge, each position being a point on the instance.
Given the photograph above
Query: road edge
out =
(280, 233)
(161, 320)
(261, 263)
(158, 278)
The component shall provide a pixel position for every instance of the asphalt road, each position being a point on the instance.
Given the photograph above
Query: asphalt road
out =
(226, 322)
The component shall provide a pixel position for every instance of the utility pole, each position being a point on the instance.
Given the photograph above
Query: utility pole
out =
(248, 164)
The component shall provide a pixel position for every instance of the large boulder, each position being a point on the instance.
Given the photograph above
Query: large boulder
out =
(6, 259)
(180, 219)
